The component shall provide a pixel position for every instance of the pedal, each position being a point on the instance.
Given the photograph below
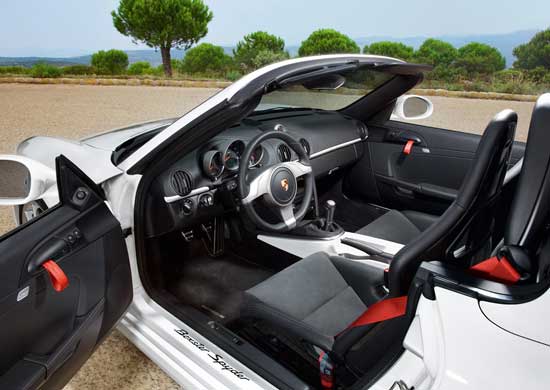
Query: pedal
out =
(188, 235)
(213, 237)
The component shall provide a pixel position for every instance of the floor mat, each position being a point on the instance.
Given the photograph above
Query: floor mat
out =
(215, 286)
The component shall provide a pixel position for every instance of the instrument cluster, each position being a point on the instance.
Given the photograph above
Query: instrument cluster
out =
(217, 161)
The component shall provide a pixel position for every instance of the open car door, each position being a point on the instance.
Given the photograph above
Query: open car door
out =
(64, 283)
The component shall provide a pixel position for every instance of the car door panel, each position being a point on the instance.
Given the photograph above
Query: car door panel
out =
(426, 179)
(47, 335)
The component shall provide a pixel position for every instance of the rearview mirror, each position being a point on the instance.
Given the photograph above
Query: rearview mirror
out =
(23, 180)
(412, 107)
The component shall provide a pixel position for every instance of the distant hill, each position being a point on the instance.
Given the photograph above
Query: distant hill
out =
(504, 42)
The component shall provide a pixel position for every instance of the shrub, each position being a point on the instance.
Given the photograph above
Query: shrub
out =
(233, 75)
(538, 74)
(14, 70)
(436, 52)
(43, 70)
(327, 41)
(205, 59)
(390, 49)
(509, 76)
(448, 74)
(479, 59)
(77, 70)
(248, 49)
(110, 62)
(140, 68)
(266, 57)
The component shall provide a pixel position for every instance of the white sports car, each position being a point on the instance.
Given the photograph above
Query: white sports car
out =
(287, 233)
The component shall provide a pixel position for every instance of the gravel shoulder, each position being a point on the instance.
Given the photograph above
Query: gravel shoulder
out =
(75, 111)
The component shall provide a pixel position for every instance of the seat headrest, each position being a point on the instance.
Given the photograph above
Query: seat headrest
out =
(531, 205)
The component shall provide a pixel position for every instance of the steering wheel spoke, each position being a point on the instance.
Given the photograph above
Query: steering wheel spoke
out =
(258, 187)
(297, 168)
(287, 215)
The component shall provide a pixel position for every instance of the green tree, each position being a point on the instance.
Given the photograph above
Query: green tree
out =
(110, 61)
(535, 53)
(479, 59)
(253, 44)
(163, 24)
(436, 52)
(390, 49)
(327, 41)
(206, 58)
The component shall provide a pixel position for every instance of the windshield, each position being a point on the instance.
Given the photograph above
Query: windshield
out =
(332, 93)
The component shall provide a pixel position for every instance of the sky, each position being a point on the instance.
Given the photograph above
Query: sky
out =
(75, 27)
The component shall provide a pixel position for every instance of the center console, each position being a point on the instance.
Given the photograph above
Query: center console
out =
(324, 235)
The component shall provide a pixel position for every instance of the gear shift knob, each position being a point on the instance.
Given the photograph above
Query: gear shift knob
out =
(330, 206)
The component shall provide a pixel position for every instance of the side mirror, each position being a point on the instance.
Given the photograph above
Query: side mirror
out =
(412, 107)
(23, 180)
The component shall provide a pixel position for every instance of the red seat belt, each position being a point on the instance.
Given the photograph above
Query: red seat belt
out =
(57, 276)
(382, 311)
(498, 270)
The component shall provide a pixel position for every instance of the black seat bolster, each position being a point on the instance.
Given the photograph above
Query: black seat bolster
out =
(256, 309)
(366, 281)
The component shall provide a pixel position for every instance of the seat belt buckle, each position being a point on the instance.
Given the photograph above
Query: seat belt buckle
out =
(326, 371)
(59, 279)
(408, 147)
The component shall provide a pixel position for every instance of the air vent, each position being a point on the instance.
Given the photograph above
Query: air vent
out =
(306, 146)
(362, 130)
(182, 183)
(284, 153)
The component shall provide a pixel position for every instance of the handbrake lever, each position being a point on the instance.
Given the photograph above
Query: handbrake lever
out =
(364, 247)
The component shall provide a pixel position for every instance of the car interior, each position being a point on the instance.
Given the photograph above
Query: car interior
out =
(276, 234)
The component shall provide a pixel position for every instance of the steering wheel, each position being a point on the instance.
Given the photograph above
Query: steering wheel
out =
(276, 184)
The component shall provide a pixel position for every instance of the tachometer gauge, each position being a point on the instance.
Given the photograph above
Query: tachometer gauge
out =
(212, 164)
(256, 156)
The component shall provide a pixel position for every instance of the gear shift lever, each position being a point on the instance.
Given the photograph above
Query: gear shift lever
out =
(330, 205)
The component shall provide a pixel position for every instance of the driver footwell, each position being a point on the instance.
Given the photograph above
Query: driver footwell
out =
(215, 285)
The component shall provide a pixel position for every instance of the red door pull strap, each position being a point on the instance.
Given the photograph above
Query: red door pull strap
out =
(57, 276)
(408, 147)
(382, 311)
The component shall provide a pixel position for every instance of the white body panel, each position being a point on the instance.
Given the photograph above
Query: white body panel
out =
(528, 319)
(456, 348)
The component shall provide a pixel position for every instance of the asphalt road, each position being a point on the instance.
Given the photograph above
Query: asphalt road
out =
(76, 111)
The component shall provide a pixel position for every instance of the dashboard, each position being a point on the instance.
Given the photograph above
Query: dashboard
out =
(203, 184)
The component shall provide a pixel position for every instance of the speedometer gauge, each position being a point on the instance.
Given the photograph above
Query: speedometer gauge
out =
(212, 164)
